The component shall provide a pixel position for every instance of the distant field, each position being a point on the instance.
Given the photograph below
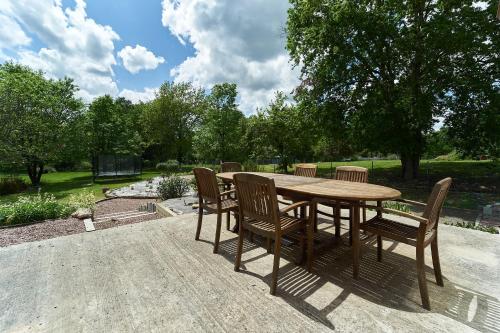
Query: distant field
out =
(475, 183)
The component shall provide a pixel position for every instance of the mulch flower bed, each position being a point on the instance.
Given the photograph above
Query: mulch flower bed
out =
(62, 227)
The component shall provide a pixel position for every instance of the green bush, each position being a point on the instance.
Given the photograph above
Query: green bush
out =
(11, 185)
(396, 206)
(469, 225)
(33, 208)
(83, 199)
(169, 167)
(250, 166)
(173, 187)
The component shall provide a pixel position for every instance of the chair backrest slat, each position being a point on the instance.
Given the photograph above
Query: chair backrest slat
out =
(306, 170)
(206, 182)
(436, 201)
(257, 197)
(230, 167)
(351, 174)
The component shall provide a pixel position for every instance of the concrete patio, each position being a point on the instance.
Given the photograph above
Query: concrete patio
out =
(153, 276)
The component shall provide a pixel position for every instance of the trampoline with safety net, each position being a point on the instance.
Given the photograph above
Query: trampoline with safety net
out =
(116, 166)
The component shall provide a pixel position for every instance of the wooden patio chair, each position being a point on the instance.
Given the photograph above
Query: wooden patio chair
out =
(350, 174)
(230, 167)
(212, 200)
(303, 170)
(419, 237)
(259, 213)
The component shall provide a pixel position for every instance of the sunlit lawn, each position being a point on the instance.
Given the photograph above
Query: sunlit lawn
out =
(475, 183)
(62, 184)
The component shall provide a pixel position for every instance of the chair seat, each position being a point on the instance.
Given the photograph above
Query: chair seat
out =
(226, 204)
(288, 224)
(391, 229)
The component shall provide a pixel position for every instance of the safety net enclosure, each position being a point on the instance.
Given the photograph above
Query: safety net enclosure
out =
(107, 165)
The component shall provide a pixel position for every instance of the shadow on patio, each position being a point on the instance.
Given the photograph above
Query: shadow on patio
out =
(391, 283)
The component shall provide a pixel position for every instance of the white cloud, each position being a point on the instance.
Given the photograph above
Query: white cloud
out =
(241, 42)
(11, 34)
(139, 58)
(75, 45)
(138, 96)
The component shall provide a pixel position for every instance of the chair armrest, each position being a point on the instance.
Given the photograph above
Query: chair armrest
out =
(411, 202)
(294, 206)
(397, 212)
(227, 192)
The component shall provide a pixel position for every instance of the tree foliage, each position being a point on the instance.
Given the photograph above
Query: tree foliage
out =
(38, 118)
(113, 127)
(390, 68)
(219, 136)
(171, 118)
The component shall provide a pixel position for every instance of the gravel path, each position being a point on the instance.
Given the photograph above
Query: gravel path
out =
(63, 227)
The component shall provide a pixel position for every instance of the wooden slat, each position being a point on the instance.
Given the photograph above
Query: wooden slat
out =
(325, 188)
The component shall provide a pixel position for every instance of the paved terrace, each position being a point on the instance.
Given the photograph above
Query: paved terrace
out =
(153, 276)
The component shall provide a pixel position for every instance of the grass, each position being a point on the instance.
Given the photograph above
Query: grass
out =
(62, 184)
(475, 183)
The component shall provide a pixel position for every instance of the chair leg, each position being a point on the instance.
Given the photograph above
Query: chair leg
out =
(276, 264)
(379, 248)
(295, 213)
(228, 223)
(336, 219)
(364, 213)
(310, 239)
(250, 236)
(217, 232)
(422, 282)
(350, 226)
(200, 219)
(239, 249)
(435, 262)
(269, 244)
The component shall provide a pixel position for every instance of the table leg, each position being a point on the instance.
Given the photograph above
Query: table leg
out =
(379, 204)
(355, 239)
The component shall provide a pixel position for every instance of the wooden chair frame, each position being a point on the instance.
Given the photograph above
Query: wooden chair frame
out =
(419, 237)
(302, 170)
(260, 214)
(351, 174)
(212, 200)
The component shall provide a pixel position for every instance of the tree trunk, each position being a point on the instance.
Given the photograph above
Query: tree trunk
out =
(35, 171)
(410, 164)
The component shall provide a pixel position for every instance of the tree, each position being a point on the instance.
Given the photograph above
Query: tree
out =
(113, 127)
(171, 118)
(284, 130)
(219, 136)
(395, 66)
(38, 116)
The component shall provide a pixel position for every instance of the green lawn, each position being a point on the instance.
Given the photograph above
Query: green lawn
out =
(62, 184)
(475, 183)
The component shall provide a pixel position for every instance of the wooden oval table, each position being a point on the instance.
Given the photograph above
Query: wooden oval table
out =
(306, 188)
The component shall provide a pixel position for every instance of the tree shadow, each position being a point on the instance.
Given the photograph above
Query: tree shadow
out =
(391, 283)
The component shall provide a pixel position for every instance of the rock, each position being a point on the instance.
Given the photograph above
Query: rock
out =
(82, 213)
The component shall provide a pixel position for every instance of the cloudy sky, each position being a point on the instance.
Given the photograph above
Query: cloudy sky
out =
(129, 47)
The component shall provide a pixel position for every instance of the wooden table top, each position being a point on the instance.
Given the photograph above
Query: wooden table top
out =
(324, 188)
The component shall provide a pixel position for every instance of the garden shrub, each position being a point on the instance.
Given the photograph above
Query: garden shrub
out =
(169, 167)
(250, 166)
(11, 185)
(469, 225)
(173, 187)
(33, 208)
(83, 199)
(397, 206)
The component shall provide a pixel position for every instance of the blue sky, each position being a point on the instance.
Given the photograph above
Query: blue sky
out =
(139, 22)
(129, 47)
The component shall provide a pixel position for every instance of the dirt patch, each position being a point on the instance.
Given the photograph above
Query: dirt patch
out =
(62, 227)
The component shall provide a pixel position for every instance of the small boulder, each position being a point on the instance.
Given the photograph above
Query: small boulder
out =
(82, 213)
